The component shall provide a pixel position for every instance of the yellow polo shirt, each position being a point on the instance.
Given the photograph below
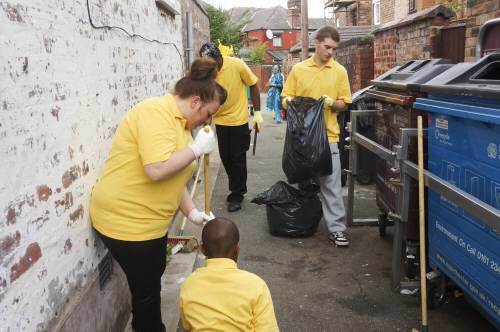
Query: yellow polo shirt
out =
(220, 297)
(307, 79)
(126, 204)
(234, 76)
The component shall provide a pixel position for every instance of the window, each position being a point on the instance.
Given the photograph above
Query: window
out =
(412, 6)
(376, 12)
(354, 17)
(277, 40)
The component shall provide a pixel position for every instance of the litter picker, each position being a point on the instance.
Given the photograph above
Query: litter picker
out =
(255, 132)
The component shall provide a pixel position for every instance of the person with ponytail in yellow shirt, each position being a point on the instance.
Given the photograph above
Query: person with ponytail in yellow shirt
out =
(144, 182)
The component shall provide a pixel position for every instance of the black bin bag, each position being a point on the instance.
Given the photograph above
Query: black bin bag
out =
(306, 153)
(290, 212)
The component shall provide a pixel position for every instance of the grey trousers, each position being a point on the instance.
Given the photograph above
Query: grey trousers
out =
(331, 195)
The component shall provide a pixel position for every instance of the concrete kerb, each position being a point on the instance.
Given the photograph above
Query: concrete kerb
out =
(182, 264)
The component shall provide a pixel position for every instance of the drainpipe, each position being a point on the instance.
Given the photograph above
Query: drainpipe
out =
(304, 26)
(189, 39)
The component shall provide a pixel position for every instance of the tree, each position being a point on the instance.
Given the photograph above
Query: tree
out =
(222, 29)
(453, 5)
(256, 54)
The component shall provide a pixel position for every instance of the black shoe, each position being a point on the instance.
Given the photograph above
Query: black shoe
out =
(339, 239)
(233, 206)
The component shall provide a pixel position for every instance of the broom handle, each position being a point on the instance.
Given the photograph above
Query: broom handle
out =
(191, 194)
(421, 205)
(206, 175)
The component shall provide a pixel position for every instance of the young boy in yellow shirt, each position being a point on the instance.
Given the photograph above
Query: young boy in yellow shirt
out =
(221, 297)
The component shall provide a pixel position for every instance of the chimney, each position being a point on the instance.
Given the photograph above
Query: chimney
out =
(294, 13)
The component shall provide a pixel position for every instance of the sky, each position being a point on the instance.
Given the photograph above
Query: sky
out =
(314, 7)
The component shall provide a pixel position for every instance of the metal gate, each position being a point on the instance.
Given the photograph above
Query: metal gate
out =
(452, 43)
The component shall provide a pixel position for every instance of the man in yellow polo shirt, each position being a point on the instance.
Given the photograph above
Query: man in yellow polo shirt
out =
(231, 121)
(321, 76)
(219, 296)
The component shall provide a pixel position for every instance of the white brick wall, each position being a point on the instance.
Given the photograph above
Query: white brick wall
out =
(63, 88)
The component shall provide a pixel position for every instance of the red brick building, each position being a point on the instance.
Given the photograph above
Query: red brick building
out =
(276, 27)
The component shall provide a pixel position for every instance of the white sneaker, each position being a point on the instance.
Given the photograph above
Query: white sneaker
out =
(339, 239)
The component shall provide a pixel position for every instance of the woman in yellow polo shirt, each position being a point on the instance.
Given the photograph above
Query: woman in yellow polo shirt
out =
(144, 182)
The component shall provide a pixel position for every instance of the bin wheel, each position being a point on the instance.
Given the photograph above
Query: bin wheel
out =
(436, 292)
(364, 178)
(382, 224)
(412, 267)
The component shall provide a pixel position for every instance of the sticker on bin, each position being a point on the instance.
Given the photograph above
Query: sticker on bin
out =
(442, 123)
(492, 150)
(442, 135)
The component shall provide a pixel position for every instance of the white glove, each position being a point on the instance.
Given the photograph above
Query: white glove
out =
(204, 142)
(200, 218)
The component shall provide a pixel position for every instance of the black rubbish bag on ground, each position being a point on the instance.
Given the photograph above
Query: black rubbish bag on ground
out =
(306, 152)
(290, 212)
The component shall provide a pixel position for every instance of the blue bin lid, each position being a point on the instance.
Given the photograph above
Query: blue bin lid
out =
(412, 74)
(477, 79)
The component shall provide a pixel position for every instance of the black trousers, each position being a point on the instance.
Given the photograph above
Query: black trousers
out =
(143, 263)
(234, 142)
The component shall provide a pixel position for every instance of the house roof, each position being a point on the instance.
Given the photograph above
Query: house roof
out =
(431, 12)
(236, 13)
(346, 33)
(273, 18)
(316, 23)
(278, 56)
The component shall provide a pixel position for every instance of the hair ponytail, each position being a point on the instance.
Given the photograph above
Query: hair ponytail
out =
(200, 81)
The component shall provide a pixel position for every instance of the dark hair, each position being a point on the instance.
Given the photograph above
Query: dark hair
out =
(327, 32)
(219, 237)
(200, 81)
(211, 50)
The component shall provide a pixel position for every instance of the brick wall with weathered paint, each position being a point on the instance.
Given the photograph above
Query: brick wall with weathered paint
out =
(64, 87)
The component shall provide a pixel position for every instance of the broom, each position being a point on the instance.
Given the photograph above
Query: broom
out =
(189, 243)
(423, 268)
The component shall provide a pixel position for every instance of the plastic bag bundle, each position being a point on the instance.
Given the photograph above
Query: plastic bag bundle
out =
(306, 152)
(290, 212)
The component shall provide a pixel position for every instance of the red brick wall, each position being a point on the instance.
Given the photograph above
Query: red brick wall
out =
(288, 39)
(263, 73)
(365, 12)
(427, 3)
(384, 51)
(477, 12)
(416, 40)
(357, 57)
(386, 11)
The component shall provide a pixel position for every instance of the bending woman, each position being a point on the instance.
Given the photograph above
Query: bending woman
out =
(144, 182)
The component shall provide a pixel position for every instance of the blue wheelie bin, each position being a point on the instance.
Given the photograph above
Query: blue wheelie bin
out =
(463, 108)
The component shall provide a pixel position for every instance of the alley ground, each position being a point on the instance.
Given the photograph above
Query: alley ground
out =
(316, 286)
